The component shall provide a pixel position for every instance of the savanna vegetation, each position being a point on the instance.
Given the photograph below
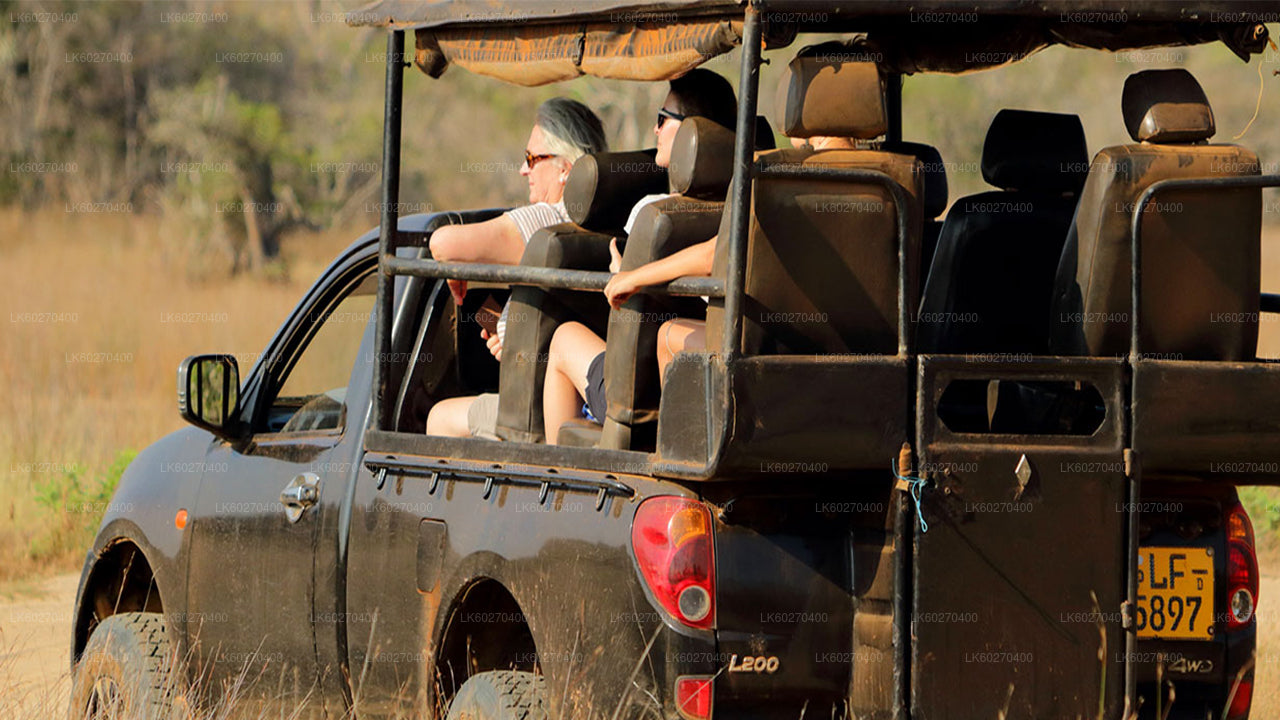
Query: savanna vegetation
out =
(176, 173)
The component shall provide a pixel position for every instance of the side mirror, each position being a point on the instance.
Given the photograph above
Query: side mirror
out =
(209, 393)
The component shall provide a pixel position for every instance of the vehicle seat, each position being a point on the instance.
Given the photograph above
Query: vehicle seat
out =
(990, 287)
(822, 255)
(1201, 247)
(936, 195)
(599, 193)
(701, 169)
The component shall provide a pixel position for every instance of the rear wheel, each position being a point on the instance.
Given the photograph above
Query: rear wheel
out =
(500, 695)
(125, 671)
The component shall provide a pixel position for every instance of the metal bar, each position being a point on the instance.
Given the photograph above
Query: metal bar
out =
(1132, 468)
(390, 218)
(541, 276)
(1131, 582)
(513, 476)
(900, 201)
(893, 107)
(743, 165)
(1269, 303)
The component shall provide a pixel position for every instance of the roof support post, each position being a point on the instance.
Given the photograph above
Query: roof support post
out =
(743, 172)
(390, 218)
(893, 107)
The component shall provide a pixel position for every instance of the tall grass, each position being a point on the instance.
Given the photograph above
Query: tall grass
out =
(97, 311)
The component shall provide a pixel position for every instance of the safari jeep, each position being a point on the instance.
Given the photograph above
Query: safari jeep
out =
(976, 462)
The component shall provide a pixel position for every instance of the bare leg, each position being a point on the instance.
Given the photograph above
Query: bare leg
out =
(449, 417)
(573, 347)
(679, 335)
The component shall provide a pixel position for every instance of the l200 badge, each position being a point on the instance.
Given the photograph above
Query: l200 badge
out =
(753, 663)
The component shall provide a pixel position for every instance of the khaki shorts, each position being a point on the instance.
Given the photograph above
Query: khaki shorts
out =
(482, 416)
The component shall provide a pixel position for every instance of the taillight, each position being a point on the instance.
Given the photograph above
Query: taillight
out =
(1241, 701)
(671, 537)
(1242, 569)
(693, 696)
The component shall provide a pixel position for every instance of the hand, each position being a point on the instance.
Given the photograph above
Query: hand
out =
(615, 257)
(457, 288)
(494, 343)
(621, 287)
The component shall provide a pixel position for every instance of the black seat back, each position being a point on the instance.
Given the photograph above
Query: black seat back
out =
(990, 284)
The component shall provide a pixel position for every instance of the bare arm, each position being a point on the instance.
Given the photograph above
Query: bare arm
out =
(693, 260)
(495, 241)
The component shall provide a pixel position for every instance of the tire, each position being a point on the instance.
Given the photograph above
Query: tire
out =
(500, 695)
(125, 671)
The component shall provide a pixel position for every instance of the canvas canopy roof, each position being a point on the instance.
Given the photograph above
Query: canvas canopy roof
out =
(534, 42)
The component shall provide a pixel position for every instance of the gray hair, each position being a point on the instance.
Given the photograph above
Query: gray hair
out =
(570, 128)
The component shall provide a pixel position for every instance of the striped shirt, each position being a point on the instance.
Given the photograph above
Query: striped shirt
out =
(532, 218)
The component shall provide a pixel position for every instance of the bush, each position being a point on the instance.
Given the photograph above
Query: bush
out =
(75, 505)
(1263, 506)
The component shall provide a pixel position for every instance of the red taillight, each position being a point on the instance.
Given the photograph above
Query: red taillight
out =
(671, 537)
(693, 696)
(1242, 570)
(1241, 701)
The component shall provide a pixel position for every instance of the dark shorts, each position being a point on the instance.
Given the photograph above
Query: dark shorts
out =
(595, 388)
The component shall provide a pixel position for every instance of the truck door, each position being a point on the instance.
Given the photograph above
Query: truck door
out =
(1019, 579)
(267, 504)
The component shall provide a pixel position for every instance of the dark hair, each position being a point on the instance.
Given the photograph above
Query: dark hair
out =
(706, 94)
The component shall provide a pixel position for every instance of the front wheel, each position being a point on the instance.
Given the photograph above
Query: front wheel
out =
(500, 695)
(126, 670)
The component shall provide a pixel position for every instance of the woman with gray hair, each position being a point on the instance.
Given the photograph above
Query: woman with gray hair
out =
(563, 131)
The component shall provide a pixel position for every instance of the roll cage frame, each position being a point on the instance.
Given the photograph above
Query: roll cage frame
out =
(593, 470)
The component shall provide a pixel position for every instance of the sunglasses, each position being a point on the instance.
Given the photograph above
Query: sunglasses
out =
(530, 159)
(665, 114)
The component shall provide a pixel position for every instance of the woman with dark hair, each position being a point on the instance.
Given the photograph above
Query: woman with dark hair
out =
(700, 93)
(575, 363)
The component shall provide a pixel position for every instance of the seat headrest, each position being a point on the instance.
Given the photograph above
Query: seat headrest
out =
(935, 175)
(1039, 151)
(701, 159)
(1166, 106)
(603, 187)
(824, 94)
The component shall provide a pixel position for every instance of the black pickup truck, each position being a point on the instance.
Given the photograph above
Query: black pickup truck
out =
(281, 563)
(896, 485)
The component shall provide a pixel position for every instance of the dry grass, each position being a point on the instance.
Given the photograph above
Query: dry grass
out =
(97, 314)
(99, 311)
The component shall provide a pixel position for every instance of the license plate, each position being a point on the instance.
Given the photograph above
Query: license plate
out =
(1175, 593)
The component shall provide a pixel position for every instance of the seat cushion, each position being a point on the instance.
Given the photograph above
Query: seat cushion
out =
(579, 432)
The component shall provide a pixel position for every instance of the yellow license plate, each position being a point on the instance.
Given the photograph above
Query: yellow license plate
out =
(1175, 593)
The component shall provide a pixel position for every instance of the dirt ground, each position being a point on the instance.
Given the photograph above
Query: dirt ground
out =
(35, 641)
(35, 635)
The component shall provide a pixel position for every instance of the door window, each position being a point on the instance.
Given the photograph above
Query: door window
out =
(312, 396)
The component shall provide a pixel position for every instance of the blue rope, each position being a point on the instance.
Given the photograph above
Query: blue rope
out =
(917, 486)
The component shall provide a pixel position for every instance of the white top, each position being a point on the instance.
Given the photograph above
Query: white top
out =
(646, 200)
